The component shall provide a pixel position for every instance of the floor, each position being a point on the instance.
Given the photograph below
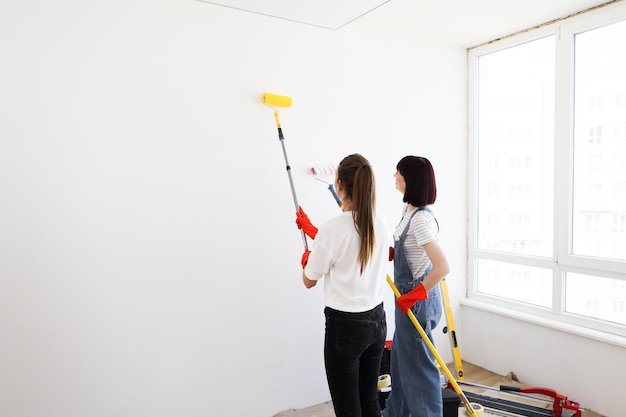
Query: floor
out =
(478, 380)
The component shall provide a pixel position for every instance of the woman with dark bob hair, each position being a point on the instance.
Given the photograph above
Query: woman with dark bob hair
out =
(419, 265)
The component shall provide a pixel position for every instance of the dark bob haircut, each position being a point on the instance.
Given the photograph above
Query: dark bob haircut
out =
(419, 175)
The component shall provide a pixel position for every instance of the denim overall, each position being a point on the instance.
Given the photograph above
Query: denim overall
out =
(415, 383)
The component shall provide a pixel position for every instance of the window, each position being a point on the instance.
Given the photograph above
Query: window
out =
(600, 70)
(548, 171)
(516, 108)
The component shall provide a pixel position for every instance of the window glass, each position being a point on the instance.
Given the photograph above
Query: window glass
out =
(516, 282)
(515, 153)
(599, 169)
(596, 297)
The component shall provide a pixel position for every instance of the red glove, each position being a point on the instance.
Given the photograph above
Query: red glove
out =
(305, 258)
(303, 222)
(391, 252)
(408, 300)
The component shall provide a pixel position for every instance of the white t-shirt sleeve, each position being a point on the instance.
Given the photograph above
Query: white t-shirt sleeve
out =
(422, 229)
(319, 262)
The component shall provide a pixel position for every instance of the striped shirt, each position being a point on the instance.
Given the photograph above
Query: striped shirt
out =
(423, 229)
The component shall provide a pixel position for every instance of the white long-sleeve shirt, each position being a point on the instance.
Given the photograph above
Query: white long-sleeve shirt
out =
(334, 257)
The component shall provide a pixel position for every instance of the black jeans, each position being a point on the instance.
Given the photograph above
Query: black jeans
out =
(353, 349)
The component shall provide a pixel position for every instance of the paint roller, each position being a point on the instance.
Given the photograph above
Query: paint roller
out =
(273, 101)
(331, 188)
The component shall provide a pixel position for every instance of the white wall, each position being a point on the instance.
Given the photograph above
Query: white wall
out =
(149, 259)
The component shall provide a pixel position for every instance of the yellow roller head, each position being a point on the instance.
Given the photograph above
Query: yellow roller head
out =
(275, 100)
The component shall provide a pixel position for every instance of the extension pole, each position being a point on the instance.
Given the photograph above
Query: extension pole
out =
(433, 350)
(284, 101)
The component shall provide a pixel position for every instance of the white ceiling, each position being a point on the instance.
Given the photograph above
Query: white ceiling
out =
(463, 22)
(330, 14)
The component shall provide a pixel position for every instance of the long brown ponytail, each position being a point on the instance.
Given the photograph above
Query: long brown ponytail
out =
(355, 172)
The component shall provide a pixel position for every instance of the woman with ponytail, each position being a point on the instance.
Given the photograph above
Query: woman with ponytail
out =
(351, 253)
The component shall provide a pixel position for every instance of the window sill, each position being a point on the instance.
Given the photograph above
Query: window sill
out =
(597, 335)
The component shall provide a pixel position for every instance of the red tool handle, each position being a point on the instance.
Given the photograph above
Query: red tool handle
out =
(533, 390)
(560, 401)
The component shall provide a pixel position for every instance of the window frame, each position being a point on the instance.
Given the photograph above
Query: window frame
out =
(563, 261)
